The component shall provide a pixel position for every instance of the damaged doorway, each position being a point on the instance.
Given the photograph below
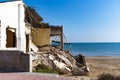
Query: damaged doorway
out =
(27, 42)
(11, 37)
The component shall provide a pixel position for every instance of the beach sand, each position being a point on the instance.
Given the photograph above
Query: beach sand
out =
(100, 64)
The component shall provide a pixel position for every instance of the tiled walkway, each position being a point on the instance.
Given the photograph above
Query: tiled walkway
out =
(30, 76)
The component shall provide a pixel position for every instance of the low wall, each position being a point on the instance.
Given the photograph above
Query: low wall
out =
(14, 61)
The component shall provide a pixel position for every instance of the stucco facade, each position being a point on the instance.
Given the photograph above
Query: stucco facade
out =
(12, 18)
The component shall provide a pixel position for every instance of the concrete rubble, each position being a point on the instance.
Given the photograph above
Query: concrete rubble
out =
(57, 59)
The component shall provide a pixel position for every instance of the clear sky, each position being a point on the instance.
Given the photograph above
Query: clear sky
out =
(83, 20)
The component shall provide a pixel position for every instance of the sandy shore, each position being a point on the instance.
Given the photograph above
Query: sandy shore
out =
(99, 65)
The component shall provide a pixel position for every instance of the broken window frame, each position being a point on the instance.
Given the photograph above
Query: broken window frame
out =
(14, 39)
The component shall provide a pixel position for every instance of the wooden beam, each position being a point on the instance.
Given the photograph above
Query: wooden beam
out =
(62, 39)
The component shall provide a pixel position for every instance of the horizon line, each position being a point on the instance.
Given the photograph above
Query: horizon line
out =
(95, 42)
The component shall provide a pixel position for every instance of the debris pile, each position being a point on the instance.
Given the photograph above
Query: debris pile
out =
(60, 60)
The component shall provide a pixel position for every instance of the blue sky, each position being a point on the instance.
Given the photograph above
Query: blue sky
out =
(83, 20)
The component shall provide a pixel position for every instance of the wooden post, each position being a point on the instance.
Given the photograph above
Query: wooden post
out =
(62, 39)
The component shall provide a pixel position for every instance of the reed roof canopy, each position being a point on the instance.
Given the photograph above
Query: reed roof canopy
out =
(32, 17)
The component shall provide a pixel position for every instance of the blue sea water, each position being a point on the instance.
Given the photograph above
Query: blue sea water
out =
(95, 49)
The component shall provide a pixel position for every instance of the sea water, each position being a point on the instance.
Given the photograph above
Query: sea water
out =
(94, 49)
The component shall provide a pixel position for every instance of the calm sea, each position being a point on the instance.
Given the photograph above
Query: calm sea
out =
(95, 49)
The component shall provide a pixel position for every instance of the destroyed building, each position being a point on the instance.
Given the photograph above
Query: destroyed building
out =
(25, 39)
(21, 32)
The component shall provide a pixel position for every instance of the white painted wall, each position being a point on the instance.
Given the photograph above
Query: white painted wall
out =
(12, 15)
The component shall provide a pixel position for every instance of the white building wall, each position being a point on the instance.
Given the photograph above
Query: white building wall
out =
(12, 15)
(21, 28)
(3, 35)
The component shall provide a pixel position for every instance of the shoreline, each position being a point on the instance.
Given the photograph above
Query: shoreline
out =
(102, 56)
(91, 55)
(103, 64)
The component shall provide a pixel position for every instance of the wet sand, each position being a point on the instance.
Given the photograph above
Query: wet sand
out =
(101, 64)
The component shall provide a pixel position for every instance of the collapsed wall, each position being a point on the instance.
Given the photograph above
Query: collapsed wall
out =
(57, 59)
